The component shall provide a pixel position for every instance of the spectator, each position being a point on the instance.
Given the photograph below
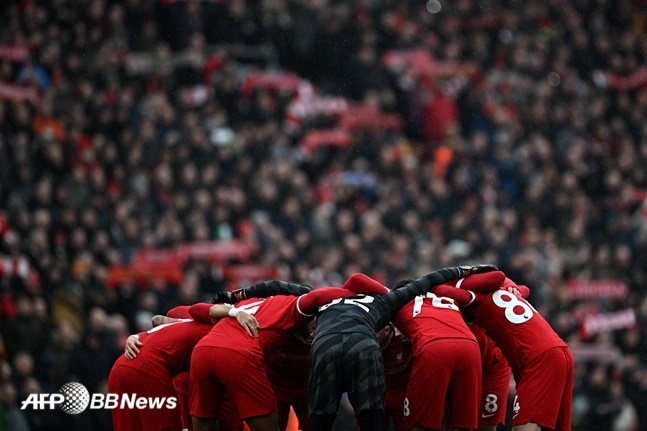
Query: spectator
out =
(136, 125)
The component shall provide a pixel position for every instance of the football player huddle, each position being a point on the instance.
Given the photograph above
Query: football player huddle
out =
(432, 352)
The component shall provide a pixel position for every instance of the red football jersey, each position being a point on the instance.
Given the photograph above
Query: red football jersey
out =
(278, 318)
(167, 348)
(397, 368)
(511, 322)
(514, 325)
(429, 318)
(492, 358)
(289, 362)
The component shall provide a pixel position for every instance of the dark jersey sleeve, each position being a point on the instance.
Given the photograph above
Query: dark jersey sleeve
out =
(266, 289)
(397, 298)
(263, 289)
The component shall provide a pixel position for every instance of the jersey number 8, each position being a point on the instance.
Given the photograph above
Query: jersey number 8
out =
(511, 304)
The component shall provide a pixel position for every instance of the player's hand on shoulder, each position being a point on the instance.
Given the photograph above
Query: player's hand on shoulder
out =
(514, 291)
(248, 322)
(132, 346)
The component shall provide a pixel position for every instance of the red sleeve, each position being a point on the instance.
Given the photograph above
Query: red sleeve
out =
(461, 296)
(200, 312)
(309, 303)
(485, 282)
(362, 283)
(179, 312)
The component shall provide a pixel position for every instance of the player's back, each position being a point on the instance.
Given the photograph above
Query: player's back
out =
(491, 355)
(514, 325)
(167, 348)
(289, 361)
(397, 363)
(278, 318)
(354, 314)
(430, 317)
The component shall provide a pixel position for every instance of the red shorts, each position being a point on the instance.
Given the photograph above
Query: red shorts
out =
(181, 386)
(394, 400)
(494, 396)
(545, 391)
(446, 378)
(216, 370)
(129, 380)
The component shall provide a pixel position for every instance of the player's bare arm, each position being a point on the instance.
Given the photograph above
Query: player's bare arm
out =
(246, 320)
(158, 319)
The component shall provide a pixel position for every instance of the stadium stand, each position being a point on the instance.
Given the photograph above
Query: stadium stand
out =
(153, 152)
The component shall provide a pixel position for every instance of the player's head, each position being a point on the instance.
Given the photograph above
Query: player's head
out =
(384, 335)
(307, 332)
(402, 283)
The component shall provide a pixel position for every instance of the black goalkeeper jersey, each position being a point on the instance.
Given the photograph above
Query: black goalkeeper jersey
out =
(367, 314)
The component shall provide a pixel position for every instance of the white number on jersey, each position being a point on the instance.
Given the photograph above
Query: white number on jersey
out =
(252, 307)
(436, 301)
(511, 304)
(355, 301)
(490, 403)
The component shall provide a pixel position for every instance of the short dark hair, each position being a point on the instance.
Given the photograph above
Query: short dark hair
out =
(402, 283)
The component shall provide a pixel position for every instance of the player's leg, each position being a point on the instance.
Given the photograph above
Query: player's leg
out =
(325, 381)
(322, 421)
(425, 398)
(398, 420)
(181, 386)
(268, 422)
(464, 389)
(245, 380)
(162, 418)
(205, 391)
(204, 424)
(494, 397)
(370, 420)
(284, 414)
(122, 419)
(364, 373)
(300, 408)
(527, 427)
(566, 406)
(541, 392)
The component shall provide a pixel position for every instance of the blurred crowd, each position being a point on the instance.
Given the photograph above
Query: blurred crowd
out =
(515, 135)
